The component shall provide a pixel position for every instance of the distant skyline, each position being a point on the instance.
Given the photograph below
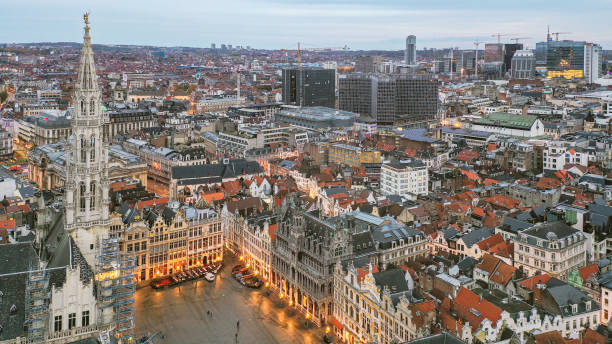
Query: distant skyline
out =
(277, 24)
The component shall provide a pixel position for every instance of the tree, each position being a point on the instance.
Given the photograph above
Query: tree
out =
(3, 96)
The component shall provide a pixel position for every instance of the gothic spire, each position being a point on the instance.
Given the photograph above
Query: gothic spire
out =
(87, 79)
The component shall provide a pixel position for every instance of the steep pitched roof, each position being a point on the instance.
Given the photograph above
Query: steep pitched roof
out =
(588, 270)
(473, 309)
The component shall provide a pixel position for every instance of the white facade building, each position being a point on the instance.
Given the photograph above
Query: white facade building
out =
(407, 176)
(592, 62)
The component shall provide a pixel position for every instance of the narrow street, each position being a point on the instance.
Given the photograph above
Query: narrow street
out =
(180, 313)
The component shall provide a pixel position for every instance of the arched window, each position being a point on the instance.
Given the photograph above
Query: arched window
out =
(92, 107)
(83, 149)
(83, 108)
(82, 191)
(92, 192)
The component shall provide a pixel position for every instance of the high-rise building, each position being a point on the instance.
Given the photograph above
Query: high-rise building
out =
(494, 52)
(309, 87)
(367, 64)
(389, 98)
(87, 197)
(410, 52)
(523, 65)
(509, 50)
(540, 54)
(565, 59)
(213, 46)
(592, 62)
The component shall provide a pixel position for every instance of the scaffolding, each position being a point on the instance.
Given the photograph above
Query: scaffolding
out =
(37, 305)
(116, 287)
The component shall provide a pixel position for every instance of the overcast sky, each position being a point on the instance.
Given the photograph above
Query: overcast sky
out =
(275, 24)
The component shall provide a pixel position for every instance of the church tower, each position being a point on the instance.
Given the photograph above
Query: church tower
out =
(86, 189)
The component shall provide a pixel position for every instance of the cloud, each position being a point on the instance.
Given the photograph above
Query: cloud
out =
(361, 24)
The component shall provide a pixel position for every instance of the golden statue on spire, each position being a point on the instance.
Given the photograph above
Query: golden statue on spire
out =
(86, 19)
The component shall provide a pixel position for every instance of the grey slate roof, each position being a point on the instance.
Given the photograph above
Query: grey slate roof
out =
(467, 265)
(394, 279)
(545, 231)
(440, 338)
(471, 238)
(14, 259)
(564, 296)
(214, 172)
(513, 225)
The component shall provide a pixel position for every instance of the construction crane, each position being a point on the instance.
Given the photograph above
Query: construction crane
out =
(499, 36)
(559, 33)
(516, 39)
(344, 48)
(299, 55)
(299, 51)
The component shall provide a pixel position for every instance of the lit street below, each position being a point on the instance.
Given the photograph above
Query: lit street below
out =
(180, 314)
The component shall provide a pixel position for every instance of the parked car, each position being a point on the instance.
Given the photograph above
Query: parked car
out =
(209, 277)
(160, 283)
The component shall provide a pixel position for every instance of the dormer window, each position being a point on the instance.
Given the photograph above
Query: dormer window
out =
(540, 243)
(588, 305)
(574, 308)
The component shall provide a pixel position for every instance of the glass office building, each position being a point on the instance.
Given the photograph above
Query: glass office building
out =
(309, 87)
(565, 59)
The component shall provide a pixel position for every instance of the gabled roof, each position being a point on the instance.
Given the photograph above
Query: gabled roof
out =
(394, 279)
(588, 270)
(476, 235)
(474, 309)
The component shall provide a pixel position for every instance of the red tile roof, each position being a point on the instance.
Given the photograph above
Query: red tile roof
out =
(467, 155)
(473, 309)
(362, 272)
(593, 337)
(272, 231)
(502, 201)
(551, 337)
(532, 282)
(495, 244)
(7, 224)
(152, 202)
(588, 270)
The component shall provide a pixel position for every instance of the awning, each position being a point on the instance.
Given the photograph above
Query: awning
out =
(337, 323)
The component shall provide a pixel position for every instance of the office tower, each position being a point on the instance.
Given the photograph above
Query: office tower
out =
(494, 70)
(213, 46)
(494, 52)
(565, 59)
(523, 65)
(309, 87)
(592, 62)
(540, 54)
(389, 98)
(410, 53)
(509, 50)
(367, 64)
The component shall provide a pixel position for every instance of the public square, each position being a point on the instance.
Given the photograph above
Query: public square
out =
(180, 314)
